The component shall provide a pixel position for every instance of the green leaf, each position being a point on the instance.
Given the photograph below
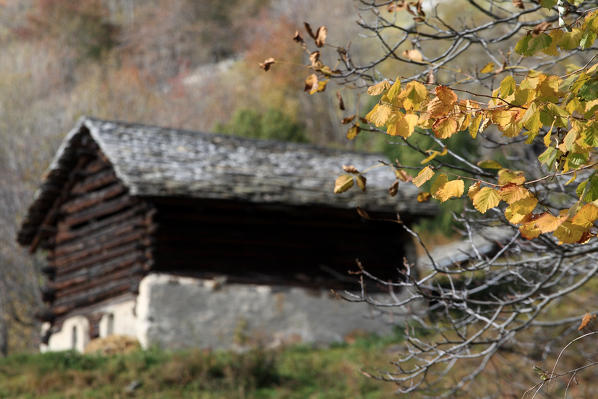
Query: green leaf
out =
(523, 96)
(522, 45)
(531, 119)
(552, 113)
(507, 86)
(588, 190)
(591, 135)
(549, 156)
(587, 39)
(548, 3)
(589, 90)
(592, 189)
(576, 159)
(581, 188)
(530, 44)
(570, 40)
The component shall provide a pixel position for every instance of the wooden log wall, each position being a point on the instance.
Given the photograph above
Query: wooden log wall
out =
(98, 239)
(266, 244)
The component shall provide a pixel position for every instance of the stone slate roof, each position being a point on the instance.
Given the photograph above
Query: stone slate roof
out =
(156, 161)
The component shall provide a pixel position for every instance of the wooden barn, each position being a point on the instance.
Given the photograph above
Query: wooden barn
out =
(181, 238)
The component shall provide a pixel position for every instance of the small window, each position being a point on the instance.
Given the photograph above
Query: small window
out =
(74, 338)
(110, 324)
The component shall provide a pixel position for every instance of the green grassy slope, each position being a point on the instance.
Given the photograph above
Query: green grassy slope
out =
(295, 372)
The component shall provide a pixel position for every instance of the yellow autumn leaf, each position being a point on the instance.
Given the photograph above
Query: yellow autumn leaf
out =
(438, 109)
(523, 97)
(532, 80)
(572, 179)
(400, 124)
(465, 121)
(509, 121)
(423, 197)
(507, 86)
(485, 199)
(443, 103)
(488, 68)
(361, 181)
(531, 119)
(378, 88)
(413, 96)
(489, 164)
(353, 132)
(433, 154)
(411, 120)
(529, 230)
(473, 190)
(519, 211)
(506, 176)
(512, 192)
(590, 105)
(379, 115)
(569, 233)
(575, 105)
(474, 126)
(547, 223)
(423, 176)
(549, 88)
(450, 189)
(446, 95)
(445, 128)
(586, 216)
(440, 180)
(548, 136)
(394, 90)
(343, 183)
(502, 117)
(321, 87)
(569, 140)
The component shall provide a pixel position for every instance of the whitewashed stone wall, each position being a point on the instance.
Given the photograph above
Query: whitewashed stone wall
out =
(119, 318)
(74, 334)
(176, 312)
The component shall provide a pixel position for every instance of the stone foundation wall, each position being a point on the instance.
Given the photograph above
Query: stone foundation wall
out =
(179, 312)
(176, 312)
(74, 334)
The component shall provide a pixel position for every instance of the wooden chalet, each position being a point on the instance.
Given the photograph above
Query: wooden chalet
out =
(123, 201)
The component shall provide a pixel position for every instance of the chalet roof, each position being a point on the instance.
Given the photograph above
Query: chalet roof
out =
(155, 161)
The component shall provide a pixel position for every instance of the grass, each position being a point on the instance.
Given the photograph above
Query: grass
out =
(293, 372)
